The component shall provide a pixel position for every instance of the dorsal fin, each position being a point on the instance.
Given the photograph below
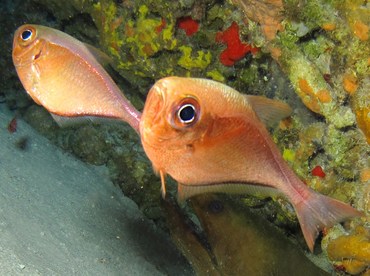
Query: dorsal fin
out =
(269, 111)
(186, 191)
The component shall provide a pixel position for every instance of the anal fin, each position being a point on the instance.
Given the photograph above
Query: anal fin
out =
(186, 191)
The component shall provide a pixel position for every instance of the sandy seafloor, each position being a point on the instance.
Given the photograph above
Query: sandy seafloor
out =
(59, 216)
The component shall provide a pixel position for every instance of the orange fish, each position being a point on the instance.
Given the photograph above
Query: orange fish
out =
(210, 138)
(207, 136)
(62, 74)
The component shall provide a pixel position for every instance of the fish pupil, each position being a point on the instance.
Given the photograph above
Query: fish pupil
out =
(186, 113)
(26, 35)
(215, 206)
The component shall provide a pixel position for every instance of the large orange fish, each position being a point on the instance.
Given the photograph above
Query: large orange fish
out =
(210, 138)
(62, 74)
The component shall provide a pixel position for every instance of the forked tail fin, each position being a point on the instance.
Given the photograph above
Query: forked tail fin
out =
(320, 211)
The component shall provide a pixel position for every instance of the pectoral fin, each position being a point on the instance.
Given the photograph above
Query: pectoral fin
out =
(186, 191)
(269, 111)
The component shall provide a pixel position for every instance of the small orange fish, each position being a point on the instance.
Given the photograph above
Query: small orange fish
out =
(62, 74)
(210, 138)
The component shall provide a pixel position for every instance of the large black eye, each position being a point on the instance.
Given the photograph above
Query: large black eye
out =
(186, 113)
(26, 35)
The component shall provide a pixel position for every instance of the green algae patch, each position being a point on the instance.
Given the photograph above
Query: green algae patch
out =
(189, 61)
(111, 30)
(289, 155)
(215, 75)
(149, 35)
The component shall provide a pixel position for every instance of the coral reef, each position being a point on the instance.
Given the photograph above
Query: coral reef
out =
(148, 39)
(267, 13)
(350, 253)
(188, 24)
(312, 54)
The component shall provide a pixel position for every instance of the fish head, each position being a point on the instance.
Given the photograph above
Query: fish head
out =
(174, 120)
(28, 47)
(173, 114)
(187, 124)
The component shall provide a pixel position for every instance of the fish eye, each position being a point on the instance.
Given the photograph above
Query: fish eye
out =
(186, 113)
(215, 206)
(26, 35)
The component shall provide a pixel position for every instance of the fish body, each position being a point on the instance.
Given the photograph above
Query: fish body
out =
(211, 138)
(62, 74)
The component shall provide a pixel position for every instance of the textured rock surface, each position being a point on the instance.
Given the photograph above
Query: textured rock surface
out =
(60, 216)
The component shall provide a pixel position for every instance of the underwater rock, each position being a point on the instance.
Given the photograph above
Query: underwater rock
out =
(267, 13)
(185, 236)
(361, 107)
(60, 216)
(147, 39)
(242, 243)
(351, 252)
